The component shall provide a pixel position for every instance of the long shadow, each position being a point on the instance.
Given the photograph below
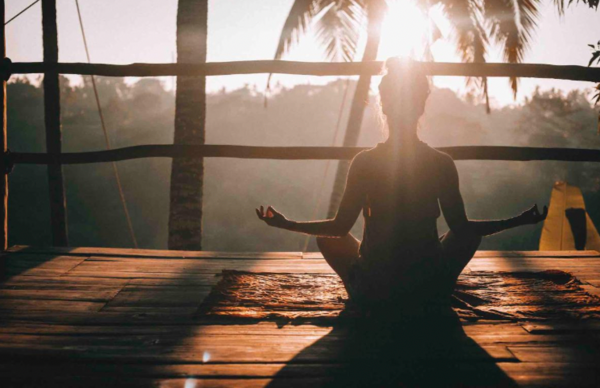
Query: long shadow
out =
(384, 352)
(91, 347)
(22, 261)
(375, 351)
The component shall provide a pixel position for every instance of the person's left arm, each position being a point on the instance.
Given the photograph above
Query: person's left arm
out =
(339, 226)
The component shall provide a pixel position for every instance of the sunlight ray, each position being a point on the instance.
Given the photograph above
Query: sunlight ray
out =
(404, 30)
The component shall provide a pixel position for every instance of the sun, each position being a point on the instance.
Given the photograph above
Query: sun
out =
(404, 30)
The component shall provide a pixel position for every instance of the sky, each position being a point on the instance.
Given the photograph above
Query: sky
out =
(127, 31)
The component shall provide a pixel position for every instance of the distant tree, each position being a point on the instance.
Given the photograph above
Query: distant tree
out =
(509, 23)
(187, 175)
(140, 112)
(553, 119)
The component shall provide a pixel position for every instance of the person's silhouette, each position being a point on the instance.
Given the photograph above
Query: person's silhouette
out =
(400, 185)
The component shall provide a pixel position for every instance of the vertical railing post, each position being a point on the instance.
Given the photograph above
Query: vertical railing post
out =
(58, 216)
(3, 145)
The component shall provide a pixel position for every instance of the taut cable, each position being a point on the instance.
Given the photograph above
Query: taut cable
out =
(22, 11)
(106, 138)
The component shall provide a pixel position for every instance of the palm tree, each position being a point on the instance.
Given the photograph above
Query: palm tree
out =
(185, 213)
(476, 24)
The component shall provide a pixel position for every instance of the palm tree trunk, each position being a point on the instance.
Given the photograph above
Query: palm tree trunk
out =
(56, 184)
(185, 213)
(375, 12)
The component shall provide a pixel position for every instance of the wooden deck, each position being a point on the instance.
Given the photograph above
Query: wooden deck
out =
(117, 317)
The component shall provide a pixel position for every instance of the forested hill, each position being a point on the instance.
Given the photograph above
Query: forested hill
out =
(143, 113)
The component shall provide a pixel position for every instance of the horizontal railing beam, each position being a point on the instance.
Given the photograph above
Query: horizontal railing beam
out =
(575, 73)
(295, 153)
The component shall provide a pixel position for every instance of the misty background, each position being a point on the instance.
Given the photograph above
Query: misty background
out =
(303, 115)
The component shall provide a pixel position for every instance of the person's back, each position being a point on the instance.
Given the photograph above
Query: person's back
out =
(400, 252)
(401, 198)
(401, 186)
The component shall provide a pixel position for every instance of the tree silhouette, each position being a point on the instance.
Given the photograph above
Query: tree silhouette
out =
(143, 113)
(187, 175)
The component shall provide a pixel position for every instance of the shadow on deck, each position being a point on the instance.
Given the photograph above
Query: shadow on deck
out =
(94, 317)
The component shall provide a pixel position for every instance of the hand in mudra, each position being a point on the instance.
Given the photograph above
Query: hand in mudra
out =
(272, 217)
(533, 215)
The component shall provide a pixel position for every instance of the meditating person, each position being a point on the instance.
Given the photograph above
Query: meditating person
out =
(400, 186)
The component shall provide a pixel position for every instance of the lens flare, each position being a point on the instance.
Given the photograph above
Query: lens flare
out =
(190, 383)
(404, 30)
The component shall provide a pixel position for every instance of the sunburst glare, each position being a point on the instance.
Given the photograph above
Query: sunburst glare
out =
(404, 30)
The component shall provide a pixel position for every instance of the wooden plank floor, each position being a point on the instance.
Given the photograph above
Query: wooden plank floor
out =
(94, 317)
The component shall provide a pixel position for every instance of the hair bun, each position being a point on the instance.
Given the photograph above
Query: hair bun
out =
(393, 65)
(403, 75)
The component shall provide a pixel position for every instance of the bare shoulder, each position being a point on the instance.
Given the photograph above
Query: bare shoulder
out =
(442, 159)
(363, 163)
(363, 157)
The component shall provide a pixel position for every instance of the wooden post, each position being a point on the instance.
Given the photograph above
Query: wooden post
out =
(58, 217)
(3, 145)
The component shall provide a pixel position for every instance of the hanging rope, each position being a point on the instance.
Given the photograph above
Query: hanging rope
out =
(24, 9)
(106, 137)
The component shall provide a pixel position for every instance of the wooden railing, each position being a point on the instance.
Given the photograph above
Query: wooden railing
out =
(293, 153)
(573, 73)
(54, 158)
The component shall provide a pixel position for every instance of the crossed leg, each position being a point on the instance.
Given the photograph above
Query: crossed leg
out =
(340, 253)
(458, 249)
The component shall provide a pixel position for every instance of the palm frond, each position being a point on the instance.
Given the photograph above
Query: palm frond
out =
(338, 29)
(512, 25)
(596, 57)
(302, 14)
(300, 17)
(466, 18)
(433, 35)
(595, 53)
(560, 4)
(528, 14)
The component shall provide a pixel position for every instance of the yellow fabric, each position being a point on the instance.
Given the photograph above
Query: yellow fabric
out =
(557, 234)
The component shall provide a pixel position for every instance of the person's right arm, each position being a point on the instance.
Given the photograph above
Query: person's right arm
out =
(340, 225)
(453, 209)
